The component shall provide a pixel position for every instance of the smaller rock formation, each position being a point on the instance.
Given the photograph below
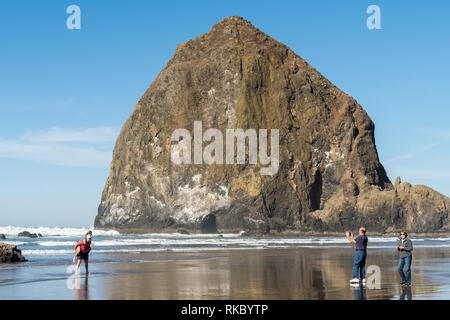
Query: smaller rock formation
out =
(9, 253)
(397, 182)
(2, 236)
(27, 234)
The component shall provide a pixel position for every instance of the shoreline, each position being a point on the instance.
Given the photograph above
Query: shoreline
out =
(268, 274)
(285, 233)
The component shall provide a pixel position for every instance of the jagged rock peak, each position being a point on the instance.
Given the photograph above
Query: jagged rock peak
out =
(328, 175)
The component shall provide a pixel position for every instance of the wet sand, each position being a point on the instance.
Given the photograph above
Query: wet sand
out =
(301, 273)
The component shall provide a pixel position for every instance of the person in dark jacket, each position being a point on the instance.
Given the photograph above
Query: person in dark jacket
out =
(359, 262)
(405, 248)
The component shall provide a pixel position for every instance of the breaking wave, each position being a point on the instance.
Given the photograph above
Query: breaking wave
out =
(58, 243)
(54, 232)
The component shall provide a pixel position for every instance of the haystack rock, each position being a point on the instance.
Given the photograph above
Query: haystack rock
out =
(329, 177)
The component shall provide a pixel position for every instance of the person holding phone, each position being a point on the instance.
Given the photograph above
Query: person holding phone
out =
(359, 262)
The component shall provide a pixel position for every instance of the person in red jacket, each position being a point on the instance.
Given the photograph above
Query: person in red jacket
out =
(82, 249)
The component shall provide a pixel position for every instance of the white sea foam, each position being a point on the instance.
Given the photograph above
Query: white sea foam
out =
(209, 246)
(45, 252)
(215, 241)
(60, 241)
(206, 240)
(17, 243)
(55, 231)
(55, 243)
(136, 250)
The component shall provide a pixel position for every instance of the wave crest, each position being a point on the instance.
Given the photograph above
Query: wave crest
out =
(55, 231)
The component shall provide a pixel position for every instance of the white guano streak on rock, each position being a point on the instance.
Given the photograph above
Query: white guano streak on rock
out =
(162, 205)
(211, 92)
(331, 156)
(132, 193)
(197, 202)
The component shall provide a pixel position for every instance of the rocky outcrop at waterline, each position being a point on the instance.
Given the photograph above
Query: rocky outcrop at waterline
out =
(9, 253)
(328, 178)
(27, 234)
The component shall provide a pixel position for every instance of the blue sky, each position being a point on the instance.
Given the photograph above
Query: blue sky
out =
(64, 94)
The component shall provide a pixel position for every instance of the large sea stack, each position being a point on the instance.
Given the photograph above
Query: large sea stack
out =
(235, 76)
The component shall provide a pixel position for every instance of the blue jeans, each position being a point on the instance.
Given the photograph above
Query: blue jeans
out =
(402, 262)
(359, 264)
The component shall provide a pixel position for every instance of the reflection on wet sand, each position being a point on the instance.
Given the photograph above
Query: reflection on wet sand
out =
(359, 292)
(302, 273)
(81, 288)
(406, 293)
(283, 274)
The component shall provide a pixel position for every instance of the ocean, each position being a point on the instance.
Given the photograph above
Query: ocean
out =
(56, 244)
(212, 266)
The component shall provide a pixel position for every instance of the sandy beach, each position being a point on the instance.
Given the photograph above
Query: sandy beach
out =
(300, 273)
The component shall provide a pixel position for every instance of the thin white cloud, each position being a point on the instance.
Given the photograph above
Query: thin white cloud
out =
(439, 135)
(56, 134)
(65, 147)
(417, 151)
(432, 174)
(436, 133)
(444, 134)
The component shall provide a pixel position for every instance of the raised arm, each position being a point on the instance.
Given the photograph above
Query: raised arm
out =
(350, 238)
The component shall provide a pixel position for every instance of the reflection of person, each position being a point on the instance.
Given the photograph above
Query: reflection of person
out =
(359, 292)
(406, 293)
(82, 249)
(405, 248)
(81, 292)
(359, 263)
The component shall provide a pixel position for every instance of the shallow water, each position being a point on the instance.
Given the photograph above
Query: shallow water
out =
(56, 245)
(175, 266)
